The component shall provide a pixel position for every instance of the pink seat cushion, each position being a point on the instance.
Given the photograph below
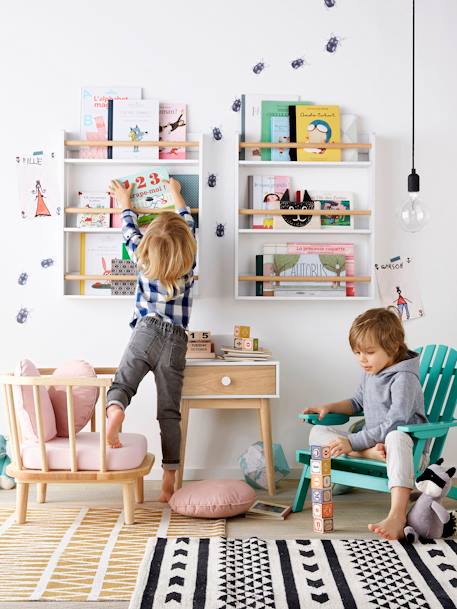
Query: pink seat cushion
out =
(25, 406)
(84, 398)
(131, 455)
(213, 498)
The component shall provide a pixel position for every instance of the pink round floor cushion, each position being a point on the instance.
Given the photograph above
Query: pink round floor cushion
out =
(213, 498)
(25, 406)
(84, 398)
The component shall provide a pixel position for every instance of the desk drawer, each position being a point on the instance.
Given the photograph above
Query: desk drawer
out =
(229, 380)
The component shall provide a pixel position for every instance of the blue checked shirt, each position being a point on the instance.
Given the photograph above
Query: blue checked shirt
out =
(151, 297)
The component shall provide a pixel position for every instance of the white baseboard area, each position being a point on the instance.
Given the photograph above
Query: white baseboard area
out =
(214, 473)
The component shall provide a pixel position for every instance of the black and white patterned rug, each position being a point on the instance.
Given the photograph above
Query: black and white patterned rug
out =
(221, 573)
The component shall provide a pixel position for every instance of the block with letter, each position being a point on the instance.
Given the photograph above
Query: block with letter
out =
(321, 482)
(320, 452)
(321, 495)
(242, 331)
(247, 344)
(322, 525)
(321, 466)
(322, 510)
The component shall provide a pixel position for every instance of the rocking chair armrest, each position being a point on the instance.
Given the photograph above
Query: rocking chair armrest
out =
(428, 430)
(330, 419)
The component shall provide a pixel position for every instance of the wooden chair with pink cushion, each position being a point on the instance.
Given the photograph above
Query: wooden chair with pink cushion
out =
(47, 410)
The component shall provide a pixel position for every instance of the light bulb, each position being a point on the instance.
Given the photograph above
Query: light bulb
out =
(413, 215)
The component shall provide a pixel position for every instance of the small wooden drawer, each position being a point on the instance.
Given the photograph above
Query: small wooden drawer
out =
(229, 381)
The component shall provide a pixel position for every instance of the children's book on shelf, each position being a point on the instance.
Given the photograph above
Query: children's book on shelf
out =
(264, 192)
(251, 120)
(268, 510)
(94, 115)
(349, 135)
(149, 192)
(189, 191)
(308, 260)
(93, 200)
(136, 120)
(315, 125)
(398, 287)
(120, 287)
(172, 127)
(335, 201)
(298, 222)
(275, 112)
(96, 253)
(38, 187)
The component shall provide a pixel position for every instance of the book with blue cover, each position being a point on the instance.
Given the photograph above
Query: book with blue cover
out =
(280, 134)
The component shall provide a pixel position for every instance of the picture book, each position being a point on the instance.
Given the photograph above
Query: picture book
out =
(271, 110)
(315, 125)
(172, 127)
(398, 287)
(298, 222)
(332, 254)
(94, 115)
(149, 192)
(263, 193)
(136, 120)
(93, 200)
(251, 120)
(38, 188)
(96, 253)
(280, 134)
(123, 267)
(335, 201)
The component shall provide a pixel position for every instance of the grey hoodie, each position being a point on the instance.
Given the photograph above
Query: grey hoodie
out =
(388, 399)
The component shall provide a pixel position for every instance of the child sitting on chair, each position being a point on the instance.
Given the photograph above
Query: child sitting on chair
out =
(389, 395)
(165, 256)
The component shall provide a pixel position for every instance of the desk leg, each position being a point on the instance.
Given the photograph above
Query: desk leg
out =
(265, 428)
(182, 454)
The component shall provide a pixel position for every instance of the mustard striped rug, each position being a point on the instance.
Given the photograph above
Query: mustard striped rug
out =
(83, 554)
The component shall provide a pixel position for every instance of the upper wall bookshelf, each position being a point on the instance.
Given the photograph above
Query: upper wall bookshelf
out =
(95, 175)
(356, 177)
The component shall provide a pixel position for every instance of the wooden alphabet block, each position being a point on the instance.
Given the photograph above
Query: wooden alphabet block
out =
(320, 452)
(321, 495)
(247, 344)
(322, 525)
(320, 482)
(200, 335)
(238, 343)
(321, 466)
(242, 331)
(322, 510)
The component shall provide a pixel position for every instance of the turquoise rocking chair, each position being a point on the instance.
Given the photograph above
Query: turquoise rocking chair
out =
(437, 373)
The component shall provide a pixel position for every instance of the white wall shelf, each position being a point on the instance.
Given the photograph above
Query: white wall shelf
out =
(80, 174)
(357, 177)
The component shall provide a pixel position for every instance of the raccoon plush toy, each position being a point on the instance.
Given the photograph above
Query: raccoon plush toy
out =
(428, 519)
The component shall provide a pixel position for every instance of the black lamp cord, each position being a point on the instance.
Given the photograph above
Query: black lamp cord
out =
(413, 83)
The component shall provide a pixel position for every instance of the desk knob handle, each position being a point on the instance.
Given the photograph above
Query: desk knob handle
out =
(226, 381)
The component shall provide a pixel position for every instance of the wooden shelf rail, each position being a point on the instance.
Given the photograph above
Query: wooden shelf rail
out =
(118, 210)
(320, 279)
(338, 146)
(304, 212)
(129, 144)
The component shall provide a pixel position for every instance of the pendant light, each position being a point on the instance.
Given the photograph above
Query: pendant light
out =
(413, 214)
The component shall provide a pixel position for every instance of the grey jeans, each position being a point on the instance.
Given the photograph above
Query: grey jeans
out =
(161, 347)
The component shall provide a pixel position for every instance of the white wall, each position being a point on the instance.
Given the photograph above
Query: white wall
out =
(202, 52)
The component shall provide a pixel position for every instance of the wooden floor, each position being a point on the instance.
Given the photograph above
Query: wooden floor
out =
(352, 514)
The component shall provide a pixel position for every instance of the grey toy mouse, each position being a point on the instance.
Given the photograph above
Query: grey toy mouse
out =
(428, 519)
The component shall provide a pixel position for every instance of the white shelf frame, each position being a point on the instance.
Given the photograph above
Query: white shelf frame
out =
(67, 233)
(246, 233)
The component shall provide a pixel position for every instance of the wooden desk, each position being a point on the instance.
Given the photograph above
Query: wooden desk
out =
(231, 385)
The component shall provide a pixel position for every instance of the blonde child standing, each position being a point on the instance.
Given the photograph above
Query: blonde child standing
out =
(165, 256)
(389, 395)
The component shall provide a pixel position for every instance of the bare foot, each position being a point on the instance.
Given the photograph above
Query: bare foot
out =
(115, 416)
(390, 528)
(168, 485)
(377, 453)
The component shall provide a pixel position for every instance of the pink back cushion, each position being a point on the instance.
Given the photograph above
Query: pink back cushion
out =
(25, 407)
(213, 498)
(84, 398)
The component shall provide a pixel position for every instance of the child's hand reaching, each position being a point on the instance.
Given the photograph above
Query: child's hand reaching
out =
(340, 446)
(322, 411)
(121, 193)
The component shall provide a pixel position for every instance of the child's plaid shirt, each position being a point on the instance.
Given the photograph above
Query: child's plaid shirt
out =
(151, 297)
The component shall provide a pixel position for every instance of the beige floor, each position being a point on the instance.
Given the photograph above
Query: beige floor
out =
(352, 513)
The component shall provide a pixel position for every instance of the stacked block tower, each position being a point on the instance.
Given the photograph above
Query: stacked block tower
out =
(242, 339)
(321, 489)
